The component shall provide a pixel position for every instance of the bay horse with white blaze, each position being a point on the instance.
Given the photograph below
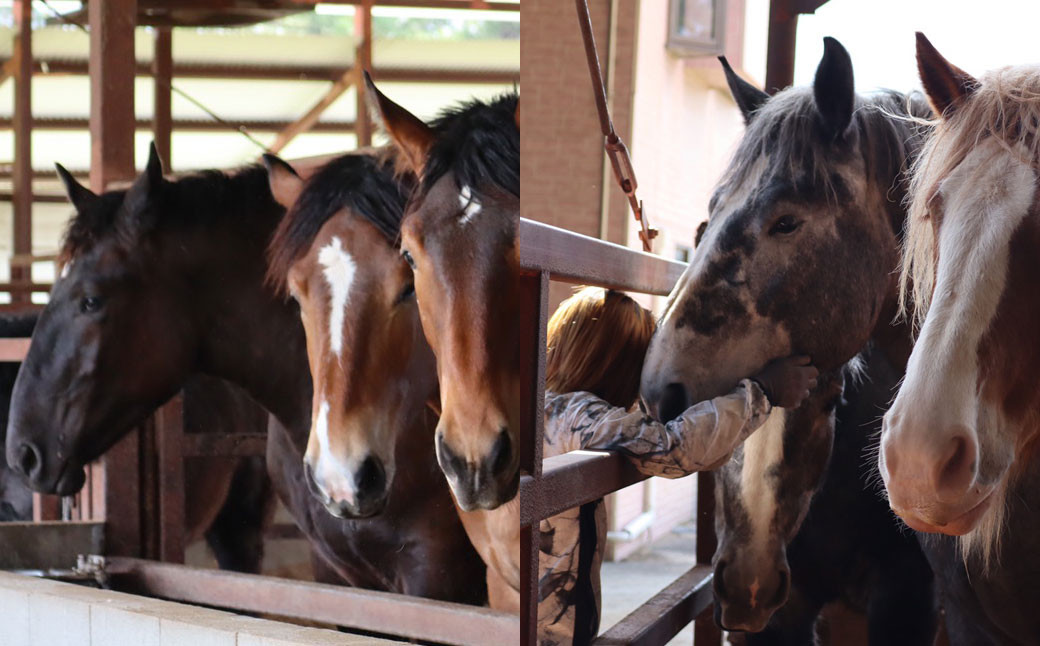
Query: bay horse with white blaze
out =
(797, 258)
(165, 280)
(959, 446)
(459, 236)
(375, 376)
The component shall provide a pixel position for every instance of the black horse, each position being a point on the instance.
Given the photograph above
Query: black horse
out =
(228, 501)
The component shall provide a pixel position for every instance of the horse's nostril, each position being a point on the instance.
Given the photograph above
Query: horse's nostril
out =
(718, 580)
(501, 452)
(370, 478)
(28, 460)
(782, 588)
(674, 402)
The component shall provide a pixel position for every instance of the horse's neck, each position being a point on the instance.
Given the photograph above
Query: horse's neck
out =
(254, 338)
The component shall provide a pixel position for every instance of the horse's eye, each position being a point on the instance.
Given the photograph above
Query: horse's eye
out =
(90, 304)
(785, 225)
(406, 293)
(408, 258)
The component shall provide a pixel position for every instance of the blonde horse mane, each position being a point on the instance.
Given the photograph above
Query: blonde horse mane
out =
(1004, 107)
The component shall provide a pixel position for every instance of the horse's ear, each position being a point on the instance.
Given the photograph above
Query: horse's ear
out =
(286, 185)
(80, 196)
(411, 136)
(700, 233)
(748, 97)
(834, 88)
(140, 192)
(945, 84)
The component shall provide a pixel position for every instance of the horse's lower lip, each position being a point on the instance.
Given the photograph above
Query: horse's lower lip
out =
(70, 480)
(957, 526)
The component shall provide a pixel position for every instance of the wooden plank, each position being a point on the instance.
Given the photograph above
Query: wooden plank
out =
(483, 5)
(45, 507)
(665, 614)
(363, 61)
(276, 72)
(49, 544)
(117, 495)
(572, 257)
(14, 349)
(112, 68)
(193, 125)
(162, 73)
(411, 617)
(307, 121)
(22, 122)
(169, 434)
(224, 444)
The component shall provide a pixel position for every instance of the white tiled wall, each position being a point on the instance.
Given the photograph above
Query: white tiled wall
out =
(36, 612)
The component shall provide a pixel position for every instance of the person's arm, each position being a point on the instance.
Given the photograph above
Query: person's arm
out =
(699, 439)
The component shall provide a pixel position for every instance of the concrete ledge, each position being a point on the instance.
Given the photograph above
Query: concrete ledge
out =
(39, 612)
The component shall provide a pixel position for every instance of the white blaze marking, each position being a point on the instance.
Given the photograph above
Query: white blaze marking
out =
(762, 449)
(470, 207)
(339, 273)
(66, 269)
(321, 429)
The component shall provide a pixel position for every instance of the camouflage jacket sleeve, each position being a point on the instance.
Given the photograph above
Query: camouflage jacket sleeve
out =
(700, 439)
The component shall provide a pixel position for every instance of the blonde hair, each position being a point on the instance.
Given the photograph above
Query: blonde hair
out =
(597, 340)
(1005, 107)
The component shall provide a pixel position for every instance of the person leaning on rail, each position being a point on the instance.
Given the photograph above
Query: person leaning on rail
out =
(597, 340)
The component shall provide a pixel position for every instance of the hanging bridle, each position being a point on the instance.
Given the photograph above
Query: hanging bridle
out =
(617, 152)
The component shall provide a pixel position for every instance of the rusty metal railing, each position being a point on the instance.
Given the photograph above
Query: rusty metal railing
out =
(570, 480)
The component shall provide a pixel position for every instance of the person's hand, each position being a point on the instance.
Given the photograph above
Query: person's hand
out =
(787, 382)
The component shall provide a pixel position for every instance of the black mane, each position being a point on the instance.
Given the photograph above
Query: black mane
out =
(363, 183)
(480, 143)
(202, 196)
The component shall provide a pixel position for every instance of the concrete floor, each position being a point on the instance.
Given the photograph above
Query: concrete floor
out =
(628, 584)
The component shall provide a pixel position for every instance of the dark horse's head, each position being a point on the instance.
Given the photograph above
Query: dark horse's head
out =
(797, 258)
(119, 334)
(780, 268)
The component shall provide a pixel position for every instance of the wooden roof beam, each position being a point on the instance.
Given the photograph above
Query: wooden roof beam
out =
(307, 121)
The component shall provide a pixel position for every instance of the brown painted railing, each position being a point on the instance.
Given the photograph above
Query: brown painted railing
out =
(562, 482)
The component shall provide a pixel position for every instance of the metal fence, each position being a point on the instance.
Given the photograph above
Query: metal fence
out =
(567, 481)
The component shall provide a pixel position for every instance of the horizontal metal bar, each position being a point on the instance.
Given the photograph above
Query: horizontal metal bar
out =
(13, 349)
(382, 612)
(573, 479)
(223, 444)
(665, 614)
(574, 258)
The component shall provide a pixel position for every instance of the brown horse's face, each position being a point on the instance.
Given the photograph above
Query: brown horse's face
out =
(798, 251)
(467, 285)
(371, 367)
(111, 345)
(968, 411)
(460, 240)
